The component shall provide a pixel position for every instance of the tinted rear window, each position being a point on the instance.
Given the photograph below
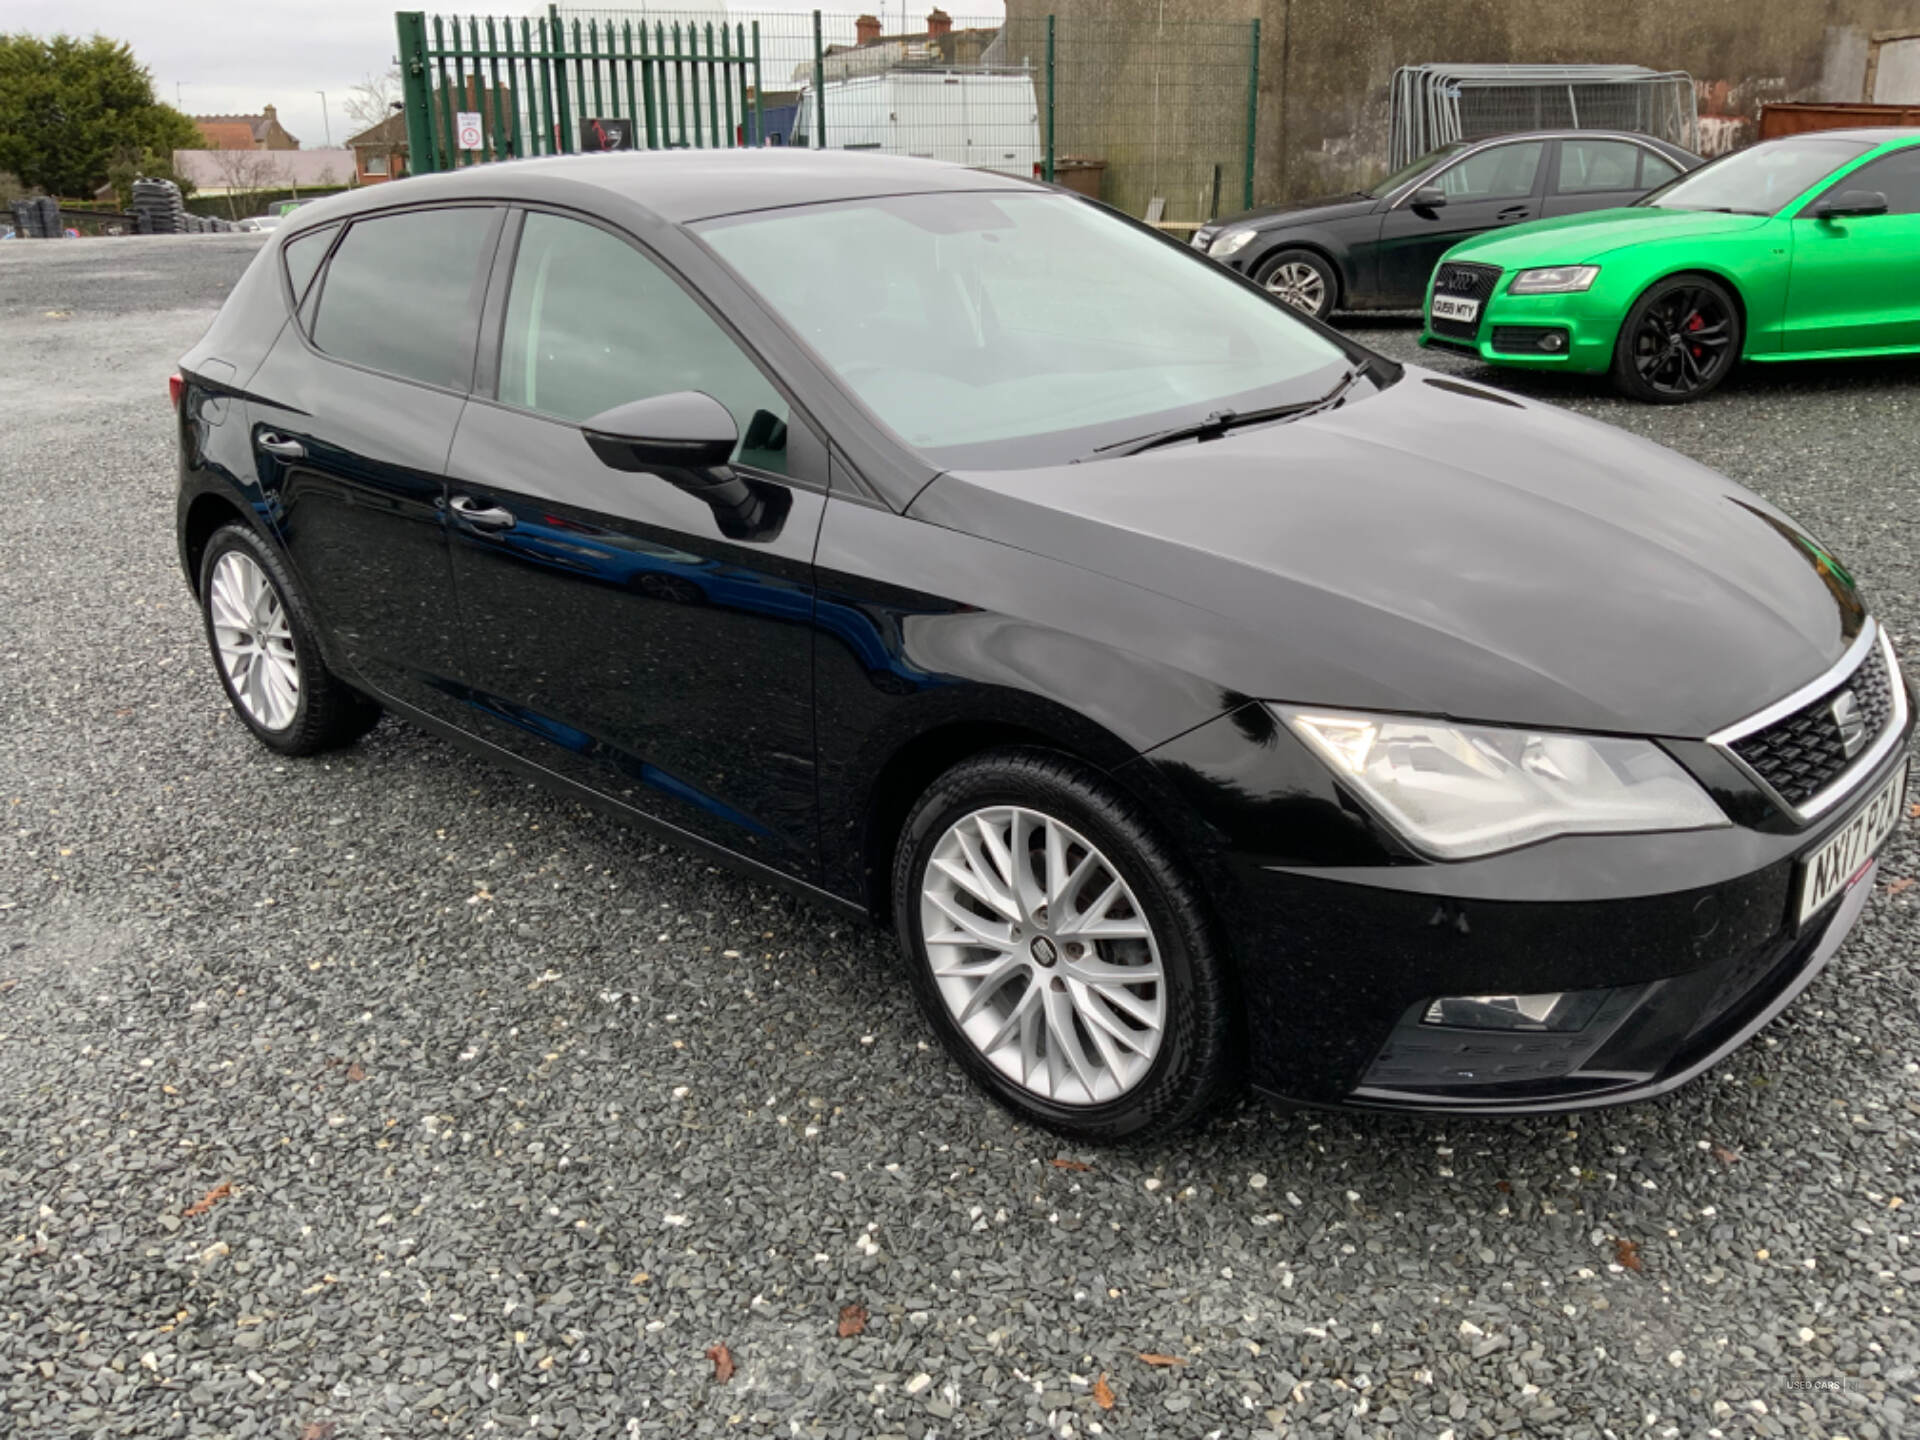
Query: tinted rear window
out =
(402, 294)
(303, 254)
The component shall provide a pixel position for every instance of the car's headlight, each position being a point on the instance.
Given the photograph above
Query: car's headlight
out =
(1554, 280)
(1229, 243)
(1456, 791)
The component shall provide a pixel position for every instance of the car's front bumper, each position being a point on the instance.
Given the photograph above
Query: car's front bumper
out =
(1693, 933)
(1510, 327)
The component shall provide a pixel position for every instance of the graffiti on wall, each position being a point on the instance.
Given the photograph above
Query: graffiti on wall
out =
(1730, 110)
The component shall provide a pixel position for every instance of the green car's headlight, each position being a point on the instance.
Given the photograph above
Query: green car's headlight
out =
(1553, 280)
(1230, 243)
(1458, 791)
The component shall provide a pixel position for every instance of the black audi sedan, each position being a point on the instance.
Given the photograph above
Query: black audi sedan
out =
(1201, 698)
(1376, 248)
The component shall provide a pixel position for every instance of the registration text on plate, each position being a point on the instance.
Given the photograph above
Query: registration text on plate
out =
(1829, 868)
(1449, 307)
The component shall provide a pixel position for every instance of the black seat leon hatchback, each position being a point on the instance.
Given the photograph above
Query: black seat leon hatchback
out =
(1203, 699)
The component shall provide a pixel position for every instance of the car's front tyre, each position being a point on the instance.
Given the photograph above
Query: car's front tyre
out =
(1301, 278)
(1061, 951)
(1680, 340)
(267, 653)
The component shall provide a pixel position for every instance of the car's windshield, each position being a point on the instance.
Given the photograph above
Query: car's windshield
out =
(1757, 181)
(1007, 328)
(1380, 189)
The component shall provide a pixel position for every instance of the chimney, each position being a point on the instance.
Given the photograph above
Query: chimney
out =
(866, 30)
(268, 113)
(939, 23)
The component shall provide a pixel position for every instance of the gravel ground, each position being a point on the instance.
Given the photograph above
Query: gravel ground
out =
(385, 1095)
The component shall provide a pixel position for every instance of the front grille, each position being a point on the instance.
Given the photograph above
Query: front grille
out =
(1464, 282)
(1801, 755)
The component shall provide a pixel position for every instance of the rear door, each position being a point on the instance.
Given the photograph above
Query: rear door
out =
(1855, 281)
(351, 417)
(619, 636)
(1495, 186)
(1598, 173)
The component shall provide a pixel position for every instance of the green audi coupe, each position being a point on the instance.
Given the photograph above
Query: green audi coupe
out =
(1804, 248)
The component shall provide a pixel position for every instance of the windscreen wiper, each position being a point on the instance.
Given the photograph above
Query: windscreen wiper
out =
(1221, 421)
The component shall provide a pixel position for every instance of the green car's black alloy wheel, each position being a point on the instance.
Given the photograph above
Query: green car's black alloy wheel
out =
(1680, 340)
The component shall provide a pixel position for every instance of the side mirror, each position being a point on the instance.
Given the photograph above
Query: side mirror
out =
(687, 439)
(1851, 202)
(1428, 197)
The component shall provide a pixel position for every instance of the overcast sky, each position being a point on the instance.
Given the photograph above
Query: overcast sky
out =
(233, 56)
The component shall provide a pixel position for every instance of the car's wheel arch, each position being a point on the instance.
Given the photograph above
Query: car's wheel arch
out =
(1694, 272)
(919, 757)
(204, 515)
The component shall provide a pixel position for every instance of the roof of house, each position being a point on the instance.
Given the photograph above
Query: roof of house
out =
(388, 134)
(257, 125)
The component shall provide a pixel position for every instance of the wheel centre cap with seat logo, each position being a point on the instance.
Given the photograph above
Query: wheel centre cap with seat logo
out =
(1044, 952)
(1853, 725)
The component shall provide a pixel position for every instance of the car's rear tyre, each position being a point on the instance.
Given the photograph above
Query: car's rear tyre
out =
(1302, 279)
(266, 652)
(1680, 340)
(1060, 950)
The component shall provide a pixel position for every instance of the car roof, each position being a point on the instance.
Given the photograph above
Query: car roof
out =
(684, 185)
(1874, 134)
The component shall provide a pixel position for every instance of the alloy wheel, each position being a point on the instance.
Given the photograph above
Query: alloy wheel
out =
(1684, 341)
(1300, 285)
(255, 642)
(1043, 955)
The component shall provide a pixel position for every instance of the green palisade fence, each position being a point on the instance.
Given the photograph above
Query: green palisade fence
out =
(1156, 118)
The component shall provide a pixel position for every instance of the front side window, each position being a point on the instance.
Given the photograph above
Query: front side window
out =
(1011, 328)
(402, 294)
(1757, 181)
(1655, 171)
(1501, 172)
(1896, 176)
(1589, 165)
(592, 323)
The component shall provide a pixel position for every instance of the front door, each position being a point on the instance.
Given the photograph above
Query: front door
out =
(350, 430)
(1496, 186)
(1855, 281)
(621, 632)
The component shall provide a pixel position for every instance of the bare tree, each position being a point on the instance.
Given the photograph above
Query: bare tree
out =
(372, 100)
(244, 174)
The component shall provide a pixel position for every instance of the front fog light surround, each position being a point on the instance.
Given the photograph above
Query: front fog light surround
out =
(1231, 243)
(1455, 792)
(1560, 1010)
(1554, 280)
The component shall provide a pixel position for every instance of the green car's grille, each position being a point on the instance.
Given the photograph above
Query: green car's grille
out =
(1463, 281)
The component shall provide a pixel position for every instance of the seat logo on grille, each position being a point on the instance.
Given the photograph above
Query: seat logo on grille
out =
(1853, 725)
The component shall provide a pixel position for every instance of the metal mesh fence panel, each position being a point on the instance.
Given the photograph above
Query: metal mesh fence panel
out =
(1156, 122)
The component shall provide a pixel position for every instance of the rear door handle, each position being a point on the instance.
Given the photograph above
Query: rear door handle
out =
(279, 445)
(482, 517)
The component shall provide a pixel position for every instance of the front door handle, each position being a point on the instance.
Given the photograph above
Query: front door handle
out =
(482, 517)
(279, 445)
(1515, 212)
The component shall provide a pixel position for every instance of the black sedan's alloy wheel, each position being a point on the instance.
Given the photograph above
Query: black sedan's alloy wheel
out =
(1303, 279)
(266, 653)
(1058, 949)
(1679, 341)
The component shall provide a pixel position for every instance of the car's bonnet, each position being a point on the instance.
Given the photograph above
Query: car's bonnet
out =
(1576, 239)
(1304, 212)
(1428, 550)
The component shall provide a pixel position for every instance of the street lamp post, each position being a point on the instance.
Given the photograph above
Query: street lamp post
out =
(325, 120)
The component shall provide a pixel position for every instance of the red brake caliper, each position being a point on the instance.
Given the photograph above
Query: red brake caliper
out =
(1694, 322)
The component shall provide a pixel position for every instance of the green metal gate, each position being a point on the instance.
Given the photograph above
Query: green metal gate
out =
(475, 92)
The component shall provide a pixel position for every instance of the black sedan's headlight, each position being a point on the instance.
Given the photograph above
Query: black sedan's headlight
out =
(1459, 791)
(1229, 242)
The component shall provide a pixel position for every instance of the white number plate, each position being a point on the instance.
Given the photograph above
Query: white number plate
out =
(1827, 870)
(1451, 307)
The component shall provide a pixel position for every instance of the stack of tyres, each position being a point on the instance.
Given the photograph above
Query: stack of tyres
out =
(51, 227)
(158, 208)
(37, 218)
